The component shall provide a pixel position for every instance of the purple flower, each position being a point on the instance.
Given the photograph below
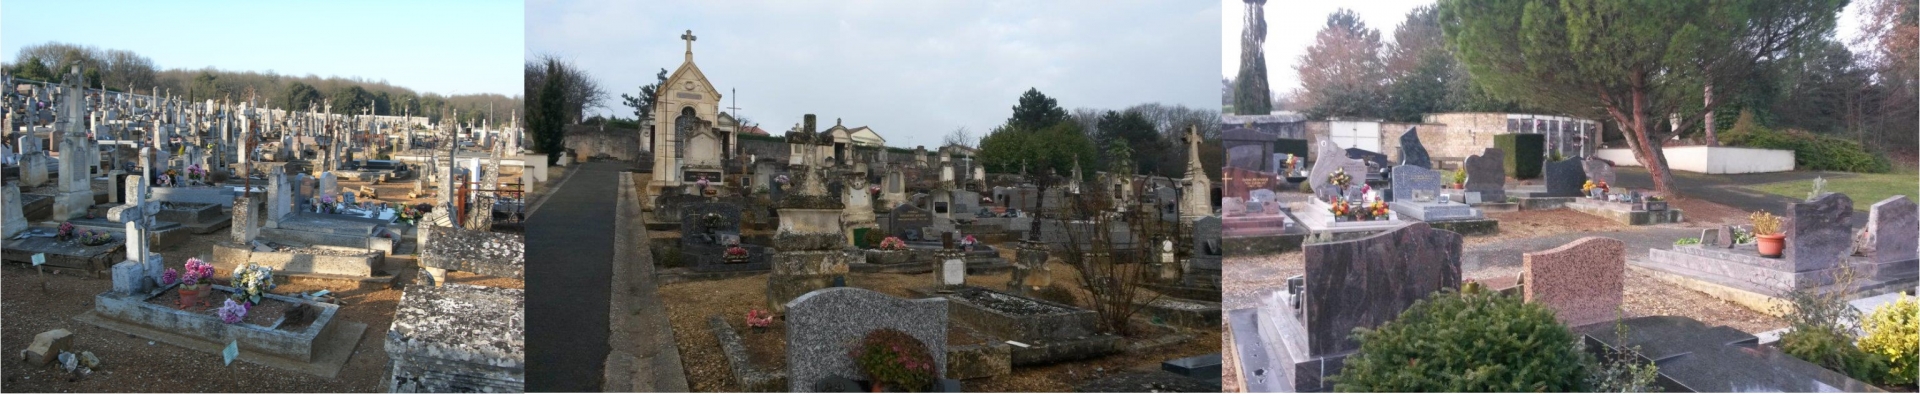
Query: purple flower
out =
(169, 277)
(232, 312)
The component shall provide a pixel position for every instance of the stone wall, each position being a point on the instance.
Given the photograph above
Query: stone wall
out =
(616, 143)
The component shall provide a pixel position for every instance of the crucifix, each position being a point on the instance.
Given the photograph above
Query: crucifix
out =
(689, 38)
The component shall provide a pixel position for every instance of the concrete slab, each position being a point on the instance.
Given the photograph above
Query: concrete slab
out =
(330, 351)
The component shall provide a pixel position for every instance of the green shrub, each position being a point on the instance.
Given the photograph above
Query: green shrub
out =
(1687, 241)
(1524, 153)
(1469, 341)
(1893, 333)
(1811, 151)
(1818, 332)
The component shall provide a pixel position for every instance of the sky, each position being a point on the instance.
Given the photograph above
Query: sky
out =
(1291, 26)
(446, 47)
(913, 71)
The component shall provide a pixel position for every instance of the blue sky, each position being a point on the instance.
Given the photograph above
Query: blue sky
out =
(913, 71)
(447, 47)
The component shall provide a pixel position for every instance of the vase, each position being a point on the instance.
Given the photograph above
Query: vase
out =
(188, 297)
(1771, 245)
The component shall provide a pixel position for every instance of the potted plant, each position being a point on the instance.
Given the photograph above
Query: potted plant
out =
(251, 282)
(759, 320)
(196, 273)
(894, 359)
(66, 231)
(1766, 229)
(967, 242)
(704, 189)
(95, 238)
(735, 255)
(1458, 178)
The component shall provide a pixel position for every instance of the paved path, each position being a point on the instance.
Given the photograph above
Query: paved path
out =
(569, 258)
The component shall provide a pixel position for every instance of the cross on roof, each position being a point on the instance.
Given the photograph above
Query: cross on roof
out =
(689, 38)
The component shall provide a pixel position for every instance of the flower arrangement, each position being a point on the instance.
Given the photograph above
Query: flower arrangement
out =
(252, 281)
(781, 179)
(194, 172)
(1292, 161)
(893, 243)
(759, 319)
(968, 241)
(66, 230)
(1764, 223)
(232, 312)
(1340, 207)
(873, 190)
(1340, 178)
(702, 182)
(736, 251)
(894, 359)
(95, 238)
(1377, 210)
(195, 272)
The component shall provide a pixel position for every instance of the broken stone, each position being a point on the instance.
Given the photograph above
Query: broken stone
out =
(46, 345)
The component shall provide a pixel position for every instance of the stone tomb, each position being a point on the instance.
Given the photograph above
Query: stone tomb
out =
(822, 323)
(457, 338)
(910, 223)
(1694, 357)
(320, 346)
(1416, 195)
(1582, 281)
(1412, 153)
(707, 230)
(1053, 332)
(1331, 157)
(1300, 335)
(1819, 245)
(1203, 264)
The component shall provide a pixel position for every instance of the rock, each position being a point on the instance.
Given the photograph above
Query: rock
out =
(68, 361)
(46, 345)
(88, 359)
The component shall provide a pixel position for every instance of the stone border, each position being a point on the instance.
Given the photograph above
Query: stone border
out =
(749, 377)
(295, 345)
(629, 365)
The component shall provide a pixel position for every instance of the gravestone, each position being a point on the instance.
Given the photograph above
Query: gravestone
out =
(1598, 170)
(1581, 281)
(1262, 195)
(1487, 175)
(1408, 179)
(1564, 178)
(1203, 266)
(1726, 239)
(1369, 281)
(1818, 236)
(823, 323)
(909, 222)
(693, 219)
(1332, 157)
(329, 185)
(1895, 226)
(1412, 153)
(1710, 238)
(14, 220)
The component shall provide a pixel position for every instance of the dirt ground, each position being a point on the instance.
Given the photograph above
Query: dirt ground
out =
(34, 303)
(689, 304)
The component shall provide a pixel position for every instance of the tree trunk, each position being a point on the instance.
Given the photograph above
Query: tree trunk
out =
(1707, 119)
(1638, 129)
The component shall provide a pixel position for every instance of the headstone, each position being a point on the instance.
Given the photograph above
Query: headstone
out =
(1332, 157)
(329, 185)
(953, 270)
(1710, 238)
(821, 324)
(693, 218)
(1598, 170)
(1408, 179)
(1726, 239)
(909, 222)
(1818, 236)
(14, 219)
(1487, 175)
(1564, 178)
(1581, 281)
(1412, 153)
(1895, 227)
(1369, 281)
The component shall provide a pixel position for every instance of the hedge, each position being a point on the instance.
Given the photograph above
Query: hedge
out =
(1525, 153)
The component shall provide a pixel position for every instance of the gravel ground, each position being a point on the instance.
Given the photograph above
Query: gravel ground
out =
(690, 303)
(34, 303)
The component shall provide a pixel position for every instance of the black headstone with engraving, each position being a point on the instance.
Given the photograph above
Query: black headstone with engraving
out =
(1412, 153)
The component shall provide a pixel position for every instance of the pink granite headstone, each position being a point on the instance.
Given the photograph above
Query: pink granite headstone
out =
(1581, 281)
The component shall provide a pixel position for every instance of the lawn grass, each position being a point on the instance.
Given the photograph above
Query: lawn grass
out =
(1865, 189)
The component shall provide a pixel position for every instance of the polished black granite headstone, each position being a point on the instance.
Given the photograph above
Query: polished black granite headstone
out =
(1412, 153)
(1368, 281)
(1694, 357)
(1565, 177)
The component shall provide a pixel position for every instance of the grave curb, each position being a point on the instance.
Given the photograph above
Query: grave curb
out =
(629, 367)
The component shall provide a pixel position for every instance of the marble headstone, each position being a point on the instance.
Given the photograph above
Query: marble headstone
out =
(1487, 175)
(822, 323)
(1896, 230)
(1330, 158)
(1565, 177)
(1369, 281)
(1409, 178)
(1818, 236)
(1582, 281)
(909, 222)
(1412, 153)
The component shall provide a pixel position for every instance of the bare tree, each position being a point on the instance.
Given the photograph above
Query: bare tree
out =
(960, 137)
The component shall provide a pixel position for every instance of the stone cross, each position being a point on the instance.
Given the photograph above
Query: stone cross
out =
(689, 38)
(142, 268)
(1197, 201)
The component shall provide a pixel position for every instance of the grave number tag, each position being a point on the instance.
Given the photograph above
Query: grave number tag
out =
(39, 259)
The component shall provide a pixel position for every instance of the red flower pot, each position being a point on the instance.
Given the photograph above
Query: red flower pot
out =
(1771, 245)
(189, 297)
